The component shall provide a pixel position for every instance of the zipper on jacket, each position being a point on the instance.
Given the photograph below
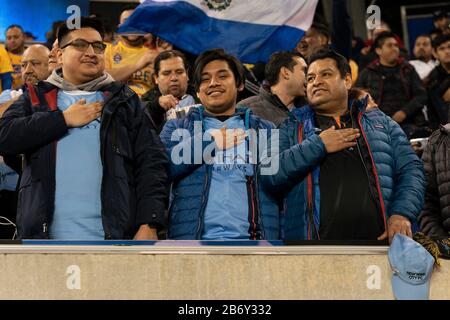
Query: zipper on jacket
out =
(102, 155)
(309, 193)
(253, 214)
(261, 231)
(203, 207)
(44, 227)
(358, 146)
(374, 169)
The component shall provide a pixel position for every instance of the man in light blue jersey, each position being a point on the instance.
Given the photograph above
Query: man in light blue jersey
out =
(94, 167)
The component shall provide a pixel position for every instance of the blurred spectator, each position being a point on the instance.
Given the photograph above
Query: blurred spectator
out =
(53, 57)
(441, 21)
(357, 45)
(368, 54)
(435, 217)
(423, 52)
(316, 37)
(15, 45)
(395, 86)
(339, 37)
(285, 74)
(109, 34)
(51, 35)
(434, 33)
(35, 64)
(29, 37)
(34, 69)
(219, 197)
(439, 82)
(171, 78)
(6, 70)
(8, 200)
(129, 60)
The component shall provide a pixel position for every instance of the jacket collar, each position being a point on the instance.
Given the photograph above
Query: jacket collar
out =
(308, 112)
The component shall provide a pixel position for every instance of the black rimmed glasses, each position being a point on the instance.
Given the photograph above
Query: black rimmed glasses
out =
(82, 45)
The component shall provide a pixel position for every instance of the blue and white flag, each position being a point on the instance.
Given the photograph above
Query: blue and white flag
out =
(249, 29)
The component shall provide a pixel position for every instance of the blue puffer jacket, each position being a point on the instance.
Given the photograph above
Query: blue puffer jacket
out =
(191, 183)
(392, 165)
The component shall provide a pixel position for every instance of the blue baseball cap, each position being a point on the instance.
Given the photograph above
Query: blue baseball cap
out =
(412, 266)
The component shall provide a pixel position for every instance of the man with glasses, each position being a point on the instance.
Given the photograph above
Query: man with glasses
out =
(94, 169)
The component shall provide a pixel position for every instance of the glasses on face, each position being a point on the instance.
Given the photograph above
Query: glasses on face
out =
(82, 45)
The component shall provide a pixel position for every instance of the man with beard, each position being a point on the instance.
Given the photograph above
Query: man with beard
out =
(34, 68)
(129, 60)
(423, 51)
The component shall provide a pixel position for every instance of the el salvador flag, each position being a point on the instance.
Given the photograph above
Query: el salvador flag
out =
(249, 29)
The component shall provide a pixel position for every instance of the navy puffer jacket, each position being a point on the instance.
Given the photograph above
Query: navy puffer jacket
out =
(191, 182)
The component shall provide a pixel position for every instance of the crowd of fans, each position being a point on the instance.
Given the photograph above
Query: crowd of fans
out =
(411, 89)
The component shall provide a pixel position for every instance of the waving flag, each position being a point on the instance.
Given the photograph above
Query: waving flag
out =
(249, 29)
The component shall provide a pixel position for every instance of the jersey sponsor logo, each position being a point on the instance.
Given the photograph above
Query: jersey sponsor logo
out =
(217, 5)
(17, 68)
(117, 58)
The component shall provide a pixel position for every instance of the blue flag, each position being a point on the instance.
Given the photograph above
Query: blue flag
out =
(249, 29)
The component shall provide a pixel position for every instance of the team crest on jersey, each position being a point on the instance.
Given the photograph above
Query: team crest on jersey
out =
(217, 5)
(117, 58)
(17, 68)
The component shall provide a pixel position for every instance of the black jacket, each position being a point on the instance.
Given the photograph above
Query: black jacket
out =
(268, 106)
(438, 84)
(435, 217)
(134, 162)
(411, 96)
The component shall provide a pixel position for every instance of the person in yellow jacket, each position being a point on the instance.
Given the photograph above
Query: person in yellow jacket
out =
(130, 61)
(5, 70)
(15, 45)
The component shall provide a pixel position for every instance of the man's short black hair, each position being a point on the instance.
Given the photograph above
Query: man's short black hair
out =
(379, 41)
(217, 54)
(435, 31)
(85, 22)
(15, 26)
(341, 62)
(321, 29)
(440, 40)
(276, 62)
(439, 14)
(167, 55)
